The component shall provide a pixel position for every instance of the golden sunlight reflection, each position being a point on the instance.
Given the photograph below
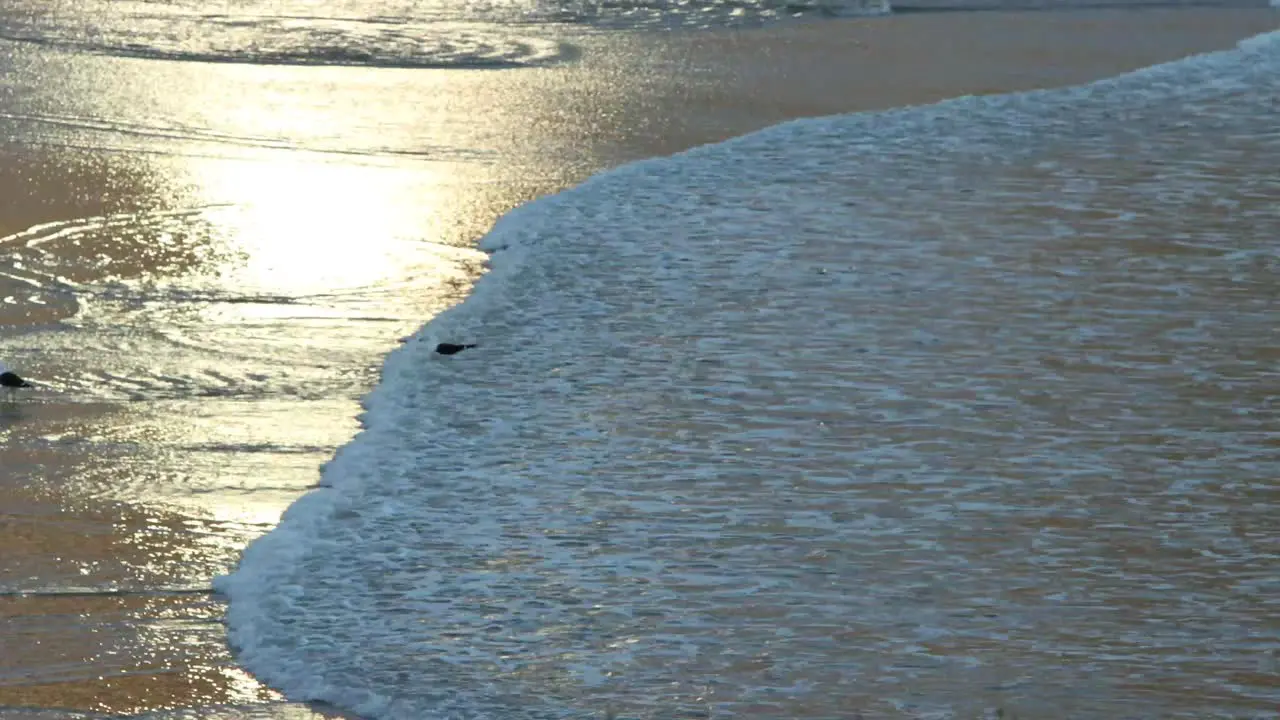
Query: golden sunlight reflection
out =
(302, 226)
(257, 512)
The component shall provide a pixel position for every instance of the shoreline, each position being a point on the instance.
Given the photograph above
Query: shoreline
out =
(706, 87)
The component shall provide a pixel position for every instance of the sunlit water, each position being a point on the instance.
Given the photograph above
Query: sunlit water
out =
(918, 414)
(929, 412)
(388, 33)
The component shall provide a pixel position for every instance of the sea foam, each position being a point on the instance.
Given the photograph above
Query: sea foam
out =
(867, 411)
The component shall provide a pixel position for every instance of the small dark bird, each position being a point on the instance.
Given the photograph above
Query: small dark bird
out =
(10, 381)
(451, 348)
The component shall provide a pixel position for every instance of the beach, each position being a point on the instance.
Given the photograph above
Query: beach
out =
(205, 281)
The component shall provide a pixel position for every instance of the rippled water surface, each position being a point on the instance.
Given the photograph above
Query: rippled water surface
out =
(927, 413)
(389, 33)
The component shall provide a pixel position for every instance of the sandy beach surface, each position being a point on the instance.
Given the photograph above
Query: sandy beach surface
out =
(206, 263)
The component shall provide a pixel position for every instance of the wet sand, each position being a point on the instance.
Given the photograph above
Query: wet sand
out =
(199, 364)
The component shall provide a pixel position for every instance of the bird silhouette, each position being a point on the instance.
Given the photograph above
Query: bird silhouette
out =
(11, 381)
(452, 348)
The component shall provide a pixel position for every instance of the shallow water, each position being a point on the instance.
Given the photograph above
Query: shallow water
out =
(399, 33)
(379, 33)
(927, 413)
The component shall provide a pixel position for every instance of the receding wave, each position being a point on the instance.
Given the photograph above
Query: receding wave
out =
(462, 34)
(467, 34)
(699, 13)
(294, 41)
(923, 412)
